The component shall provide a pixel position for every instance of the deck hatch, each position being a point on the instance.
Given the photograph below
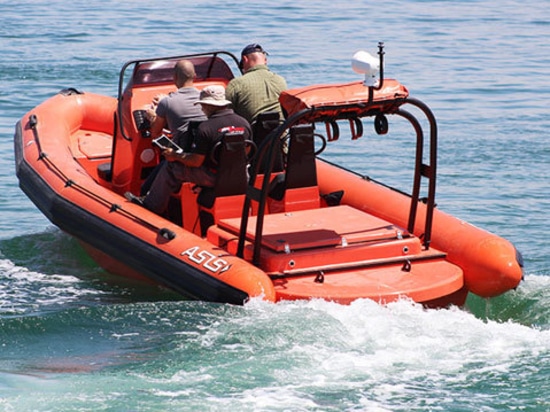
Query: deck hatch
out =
(335, 226)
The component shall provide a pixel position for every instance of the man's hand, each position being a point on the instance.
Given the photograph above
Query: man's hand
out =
(158, 98)
(172, 156)
(151, 109)
(150, 114)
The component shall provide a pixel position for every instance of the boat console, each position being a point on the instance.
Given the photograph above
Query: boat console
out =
(134, 156)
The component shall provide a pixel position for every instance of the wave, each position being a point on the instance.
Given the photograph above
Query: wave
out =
(305, 355)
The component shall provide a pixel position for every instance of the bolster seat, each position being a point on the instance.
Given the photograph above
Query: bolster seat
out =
(226, 198)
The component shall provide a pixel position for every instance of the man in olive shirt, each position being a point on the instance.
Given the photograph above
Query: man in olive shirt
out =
(258, 89)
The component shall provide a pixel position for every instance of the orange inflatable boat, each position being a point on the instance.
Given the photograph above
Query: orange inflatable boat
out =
(294, 227)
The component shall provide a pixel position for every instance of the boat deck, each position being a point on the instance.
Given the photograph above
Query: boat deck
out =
(341, 253)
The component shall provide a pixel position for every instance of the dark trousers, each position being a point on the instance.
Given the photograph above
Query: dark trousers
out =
(168, 180)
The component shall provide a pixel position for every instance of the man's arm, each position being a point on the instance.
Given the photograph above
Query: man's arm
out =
(158, 123)
(231, 93)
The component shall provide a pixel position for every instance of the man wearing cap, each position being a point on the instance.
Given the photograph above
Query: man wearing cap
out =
(194, 166)
(258, 89)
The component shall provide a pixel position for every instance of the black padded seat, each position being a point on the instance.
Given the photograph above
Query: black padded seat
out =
(264, 124)
(300, 170)
(231, 181)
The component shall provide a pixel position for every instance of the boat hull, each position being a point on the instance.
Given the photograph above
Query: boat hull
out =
(61, 145)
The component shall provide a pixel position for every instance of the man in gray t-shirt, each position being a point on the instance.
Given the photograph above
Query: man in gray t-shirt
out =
(176, 110)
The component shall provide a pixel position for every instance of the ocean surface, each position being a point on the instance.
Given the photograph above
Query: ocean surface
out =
(75, 338)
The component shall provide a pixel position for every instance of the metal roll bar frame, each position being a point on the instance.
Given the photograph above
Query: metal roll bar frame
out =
(268, 148)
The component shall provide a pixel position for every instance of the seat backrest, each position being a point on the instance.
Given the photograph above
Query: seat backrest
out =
(231, 176)
(301, 170)
(226, 198)
(264, 124)
(297, 189)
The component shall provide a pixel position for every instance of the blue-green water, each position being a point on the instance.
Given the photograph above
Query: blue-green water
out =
(74, 338)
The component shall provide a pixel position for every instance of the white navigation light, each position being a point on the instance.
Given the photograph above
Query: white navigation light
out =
(364, 63)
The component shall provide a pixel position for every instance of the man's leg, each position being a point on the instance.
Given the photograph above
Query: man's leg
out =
(146, 185)
(169, 179)
(163, 186)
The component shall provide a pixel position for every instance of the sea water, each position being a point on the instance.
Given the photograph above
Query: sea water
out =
(74, 338)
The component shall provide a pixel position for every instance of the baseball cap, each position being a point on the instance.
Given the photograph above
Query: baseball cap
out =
(253, 48)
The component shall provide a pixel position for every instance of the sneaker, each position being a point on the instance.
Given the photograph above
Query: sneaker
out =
(133, 198)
